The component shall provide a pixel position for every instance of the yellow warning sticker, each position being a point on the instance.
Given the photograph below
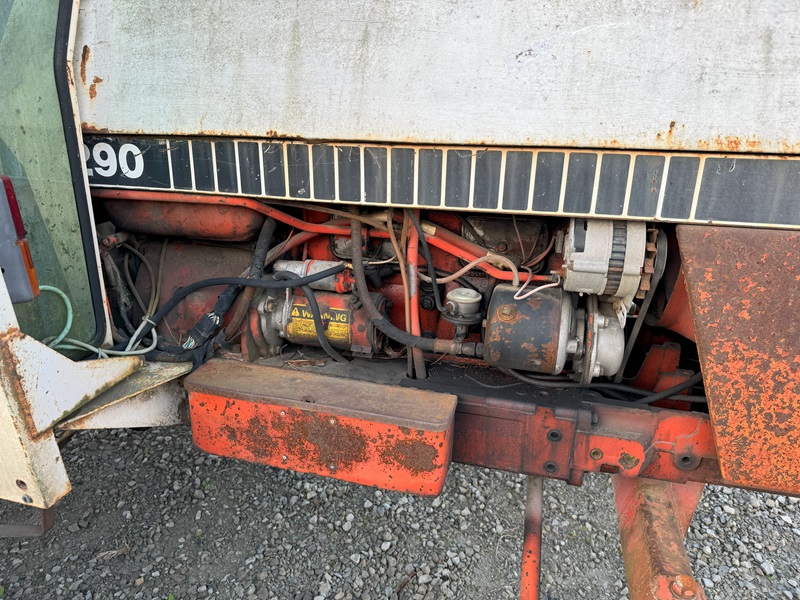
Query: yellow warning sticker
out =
(336, 321)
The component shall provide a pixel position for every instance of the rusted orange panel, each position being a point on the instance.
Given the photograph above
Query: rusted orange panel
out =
(744, 288)
(653, 518)
(200, 221)
(677, 316)
(384, 436)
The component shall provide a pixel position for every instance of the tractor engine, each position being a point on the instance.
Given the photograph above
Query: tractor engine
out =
(543, 296)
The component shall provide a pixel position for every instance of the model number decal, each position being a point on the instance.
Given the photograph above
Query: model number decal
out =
(128, 159)
(127, 162)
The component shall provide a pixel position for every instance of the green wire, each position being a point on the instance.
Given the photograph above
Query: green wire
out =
(67, 305)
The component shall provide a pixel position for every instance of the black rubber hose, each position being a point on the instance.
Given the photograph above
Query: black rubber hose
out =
(650, 398)
(647, 397)
(204, 329)
(319, 326)
(383, 324)
(426, 254)
(263, 245)
(266, 284)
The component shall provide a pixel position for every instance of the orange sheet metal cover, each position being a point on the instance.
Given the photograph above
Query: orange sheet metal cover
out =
(744, 289)
(378, 435)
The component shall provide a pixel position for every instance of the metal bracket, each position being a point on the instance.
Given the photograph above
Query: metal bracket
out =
(38, 387)
(653, 519)
(47, 518)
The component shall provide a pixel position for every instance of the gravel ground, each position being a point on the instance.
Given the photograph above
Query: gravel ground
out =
(152, 517)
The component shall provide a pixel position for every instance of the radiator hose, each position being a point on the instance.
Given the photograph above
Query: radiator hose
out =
(384, 325)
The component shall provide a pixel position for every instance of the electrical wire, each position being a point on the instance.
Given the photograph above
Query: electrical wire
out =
(267, 284)
(71, 344)
(540, 257)
(426, 254)
(520, 296)
(684, 385)
(471, 229)
(563, 383)
(366, 219)
(401, 260)
(126, 271)
(159, 278)
(523, 254)
(313, 306)
(648, 397)
(471, 265)
(383, 324)
(68, 306)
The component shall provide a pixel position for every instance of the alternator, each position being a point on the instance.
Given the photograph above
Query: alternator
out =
(604, 258)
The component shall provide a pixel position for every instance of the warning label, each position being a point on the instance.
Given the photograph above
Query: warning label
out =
(336, 320)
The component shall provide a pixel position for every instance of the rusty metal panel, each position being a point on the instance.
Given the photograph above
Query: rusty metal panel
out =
(743, 291)
(389, 437)
(151, 397)
(653, 519)
(37, 386)
(716, 75)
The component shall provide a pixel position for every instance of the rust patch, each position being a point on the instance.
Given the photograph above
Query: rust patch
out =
(651, 519)
(255, 437)
(85, 54)
(413, 455)
(93, 87)
(749, 349)
(628, 461)
(321, 441)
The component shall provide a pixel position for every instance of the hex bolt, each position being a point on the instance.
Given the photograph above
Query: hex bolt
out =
(427, 303)
(680, 590)
(506, 312)
(596, 453)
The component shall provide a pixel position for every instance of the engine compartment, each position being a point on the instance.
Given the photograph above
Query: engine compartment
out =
(547, 300)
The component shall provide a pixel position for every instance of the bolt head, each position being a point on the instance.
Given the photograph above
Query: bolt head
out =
(683, 587)
(506, 312)
(596, 453)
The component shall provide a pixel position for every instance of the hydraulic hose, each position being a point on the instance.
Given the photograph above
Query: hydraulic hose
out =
(383, 324)
(426, 254)
(270, 284)
(263, 244)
